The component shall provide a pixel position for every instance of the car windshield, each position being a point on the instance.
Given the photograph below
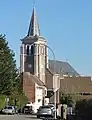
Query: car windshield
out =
(26, 106)
(44, 107)
(9, 107)
(51, 105)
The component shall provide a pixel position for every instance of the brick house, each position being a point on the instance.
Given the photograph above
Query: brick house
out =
(34, 89)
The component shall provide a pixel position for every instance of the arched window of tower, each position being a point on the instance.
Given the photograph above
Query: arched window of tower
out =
(42, 50)
(32, 50)
(27, 49)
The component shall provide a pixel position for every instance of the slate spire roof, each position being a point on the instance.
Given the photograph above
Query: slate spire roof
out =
(34, 26)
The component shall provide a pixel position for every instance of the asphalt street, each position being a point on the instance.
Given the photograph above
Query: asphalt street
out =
(18, 117)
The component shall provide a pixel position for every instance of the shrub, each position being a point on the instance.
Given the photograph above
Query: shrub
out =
(69, 99)
(84, 109)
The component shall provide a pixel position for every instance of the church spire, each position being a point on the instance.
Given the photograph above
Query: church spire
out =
(34, 26)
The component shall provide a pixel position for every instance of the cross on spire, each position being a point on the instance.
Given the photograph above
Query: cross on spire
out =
(34, 3)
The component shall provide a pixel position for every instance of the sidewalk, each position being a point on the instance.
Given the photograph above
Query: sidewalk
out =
(2, 117)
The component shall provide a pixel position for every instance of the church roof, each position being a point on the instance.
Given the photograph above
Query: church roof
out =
(62, 67)
(37, 80)
(34, 26)
(32, 78)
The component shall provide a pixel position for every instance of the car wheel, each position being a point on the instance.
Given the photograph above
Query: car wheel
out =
(53, 115)
(38, 116)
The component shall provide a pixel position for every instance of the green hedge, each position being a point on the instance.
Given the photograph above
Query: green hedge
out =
(2, 101)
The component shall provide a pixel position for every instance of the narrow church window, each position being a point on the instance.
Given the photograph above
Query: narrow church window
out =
(32, 50)
(28, 50)
(42, 50)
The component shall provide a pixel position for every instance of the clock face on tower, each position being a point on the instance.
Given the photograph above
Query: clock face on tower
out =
(30, 66)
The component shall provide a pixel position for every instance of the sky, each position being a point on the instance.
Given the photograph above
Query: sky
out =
(66, 25)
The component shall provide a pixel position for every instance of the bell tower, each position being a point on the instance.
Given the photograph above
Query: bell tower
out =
(33, 50)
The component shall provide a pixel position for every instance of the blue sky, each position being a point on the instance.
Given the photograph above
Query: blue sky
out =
(66, 24)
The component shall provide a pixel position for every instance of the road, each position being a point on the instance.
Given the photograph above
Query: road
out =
(18, 117)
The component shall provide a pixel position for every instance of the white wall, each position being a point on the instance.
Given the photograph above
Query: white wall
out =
(56, 81)
(41, 59)
(38, 97)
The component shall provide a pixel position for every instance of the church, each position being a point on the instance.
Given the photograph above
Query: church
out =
(43, 79)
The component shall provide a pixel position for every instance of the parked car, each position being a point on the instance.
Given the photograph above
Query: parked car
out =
(9, 110)
(52, 106)
(45, 111)
(27, 110)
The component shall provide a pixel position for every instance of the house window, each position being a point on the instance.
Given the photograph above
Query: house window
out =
(86, 93)
(39, 100)
(45, 92)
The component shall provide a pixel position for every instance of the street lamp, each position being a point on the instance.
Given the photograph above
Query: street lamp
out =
(53, 70)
